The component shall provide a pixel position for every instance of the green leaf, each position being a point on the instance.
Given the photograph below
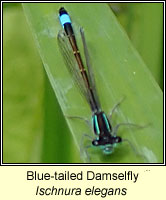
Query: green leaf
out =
(119, 71)
(143, 23)
(22, 91)
(31, 114)
(56, 133)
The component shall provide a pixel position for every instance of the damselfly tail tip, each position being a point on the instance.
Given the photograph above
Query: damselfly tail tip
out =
(62, 11)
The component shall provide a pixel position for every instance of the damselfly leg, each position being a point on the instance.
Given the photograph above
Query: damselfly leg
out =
(115, 107)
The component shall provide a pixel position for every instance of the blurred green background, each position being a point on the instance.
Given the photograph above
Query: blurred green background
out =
(31, 113)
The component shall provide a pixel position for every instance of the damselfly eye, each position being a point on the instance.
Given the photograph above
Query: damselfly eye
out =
(95, 143)
(118, 139)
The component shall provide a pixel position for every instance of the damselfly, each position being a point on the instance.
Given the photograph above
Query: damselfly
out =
(106, 135)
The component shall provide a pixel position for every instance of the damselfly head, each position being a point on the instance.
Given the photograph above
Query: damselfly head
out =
(107, 143)
(109, 148)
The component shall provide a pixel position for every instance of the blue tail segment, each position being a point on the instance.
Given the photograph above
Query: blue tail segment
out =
(64, 17)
